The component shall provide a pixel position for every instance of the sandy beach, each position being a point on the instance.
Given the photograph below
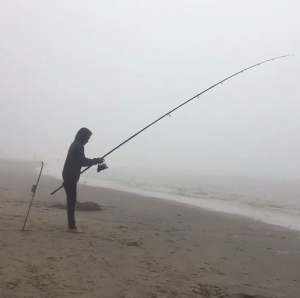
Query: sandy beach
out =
(136, 247)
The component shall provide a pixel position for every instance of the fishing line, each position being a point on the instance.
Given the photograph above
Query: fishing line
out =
(181, 105)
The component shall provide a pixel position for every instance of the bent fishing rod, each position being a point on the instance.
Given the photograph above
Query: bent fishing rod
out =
(169, 113)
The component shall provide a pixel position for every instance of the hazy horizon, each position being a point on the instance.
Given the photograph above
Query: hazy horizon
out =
(116, 66)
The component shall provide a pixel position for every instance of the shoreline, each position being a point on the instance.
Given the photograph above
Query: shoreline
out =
(273, 216)
(231, 209)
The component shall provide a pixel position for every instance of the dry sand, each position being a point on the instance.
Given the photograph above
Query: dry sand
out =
(136, 247)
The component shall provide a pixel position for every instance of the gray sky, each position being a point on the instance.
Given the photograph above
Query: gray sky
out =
(115, 66)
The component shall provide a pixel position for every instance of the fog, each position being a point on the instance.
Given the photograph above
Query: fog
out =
(115, 66)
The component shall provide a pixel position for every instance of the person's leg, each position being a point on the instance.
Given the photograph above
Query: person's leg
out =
(71, 191)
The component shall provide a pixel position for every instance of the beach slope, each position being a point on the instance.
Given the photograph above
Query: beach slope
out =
(136, 247)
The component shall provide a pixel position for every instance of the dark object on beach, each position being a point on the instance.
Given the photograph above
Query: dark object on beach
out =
(80, 206)
(169, 113)
(33, 190)
(87, 206)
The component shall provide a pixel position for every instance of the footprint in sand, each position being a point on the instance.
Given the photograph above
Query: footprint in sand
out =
(13, 284)
(250, 296)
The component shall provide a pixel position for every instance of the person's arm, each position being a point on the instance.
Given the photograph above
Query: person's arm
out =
(83, 161)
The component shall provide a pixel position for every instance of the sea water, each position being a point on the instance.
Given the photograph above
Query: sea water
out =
(274, 201)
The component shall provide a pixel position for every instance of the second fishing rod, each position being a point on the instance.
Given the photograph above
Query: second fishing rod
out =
(176, 108)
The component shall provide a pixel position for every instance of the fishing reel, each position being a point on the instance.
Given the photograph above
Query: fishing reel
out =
(101, 167)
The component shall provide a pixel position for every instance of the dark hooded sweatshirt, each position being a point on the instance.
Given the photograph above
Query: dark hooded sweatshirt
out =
(76, 159)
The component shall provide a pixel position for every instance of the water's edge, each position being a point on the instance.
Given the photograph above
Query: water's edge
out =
(270, 210)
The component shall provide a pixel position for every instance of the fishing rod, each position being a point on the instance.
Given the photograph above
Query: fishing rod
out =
(169, 113)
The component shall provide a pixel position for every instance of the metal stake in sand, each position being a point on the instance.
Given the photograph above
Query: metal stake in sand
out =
(33, 190)
(176, 108)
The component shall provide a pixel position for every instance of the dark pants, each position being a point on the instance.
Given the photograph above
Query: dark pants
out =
(71, 191)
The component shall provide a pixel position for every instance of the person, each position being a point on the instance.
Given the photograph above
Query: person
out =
(75, 160)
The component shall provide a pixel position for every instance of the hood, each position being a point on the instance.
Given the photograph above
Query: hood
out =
(82, 134)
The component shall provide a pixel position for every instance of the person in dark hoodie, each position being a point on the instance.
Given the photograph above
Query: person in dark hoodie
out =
(71, 172)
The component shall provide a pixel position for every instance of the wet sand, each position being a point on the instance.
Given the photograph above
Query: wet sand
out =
(136, 247)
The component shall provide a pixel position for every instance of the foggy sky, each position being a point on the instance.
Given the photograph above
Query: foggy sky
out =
(115, 66)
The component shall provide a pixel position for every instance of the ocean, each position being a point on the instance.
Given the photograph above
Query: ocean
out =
(274, 201)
